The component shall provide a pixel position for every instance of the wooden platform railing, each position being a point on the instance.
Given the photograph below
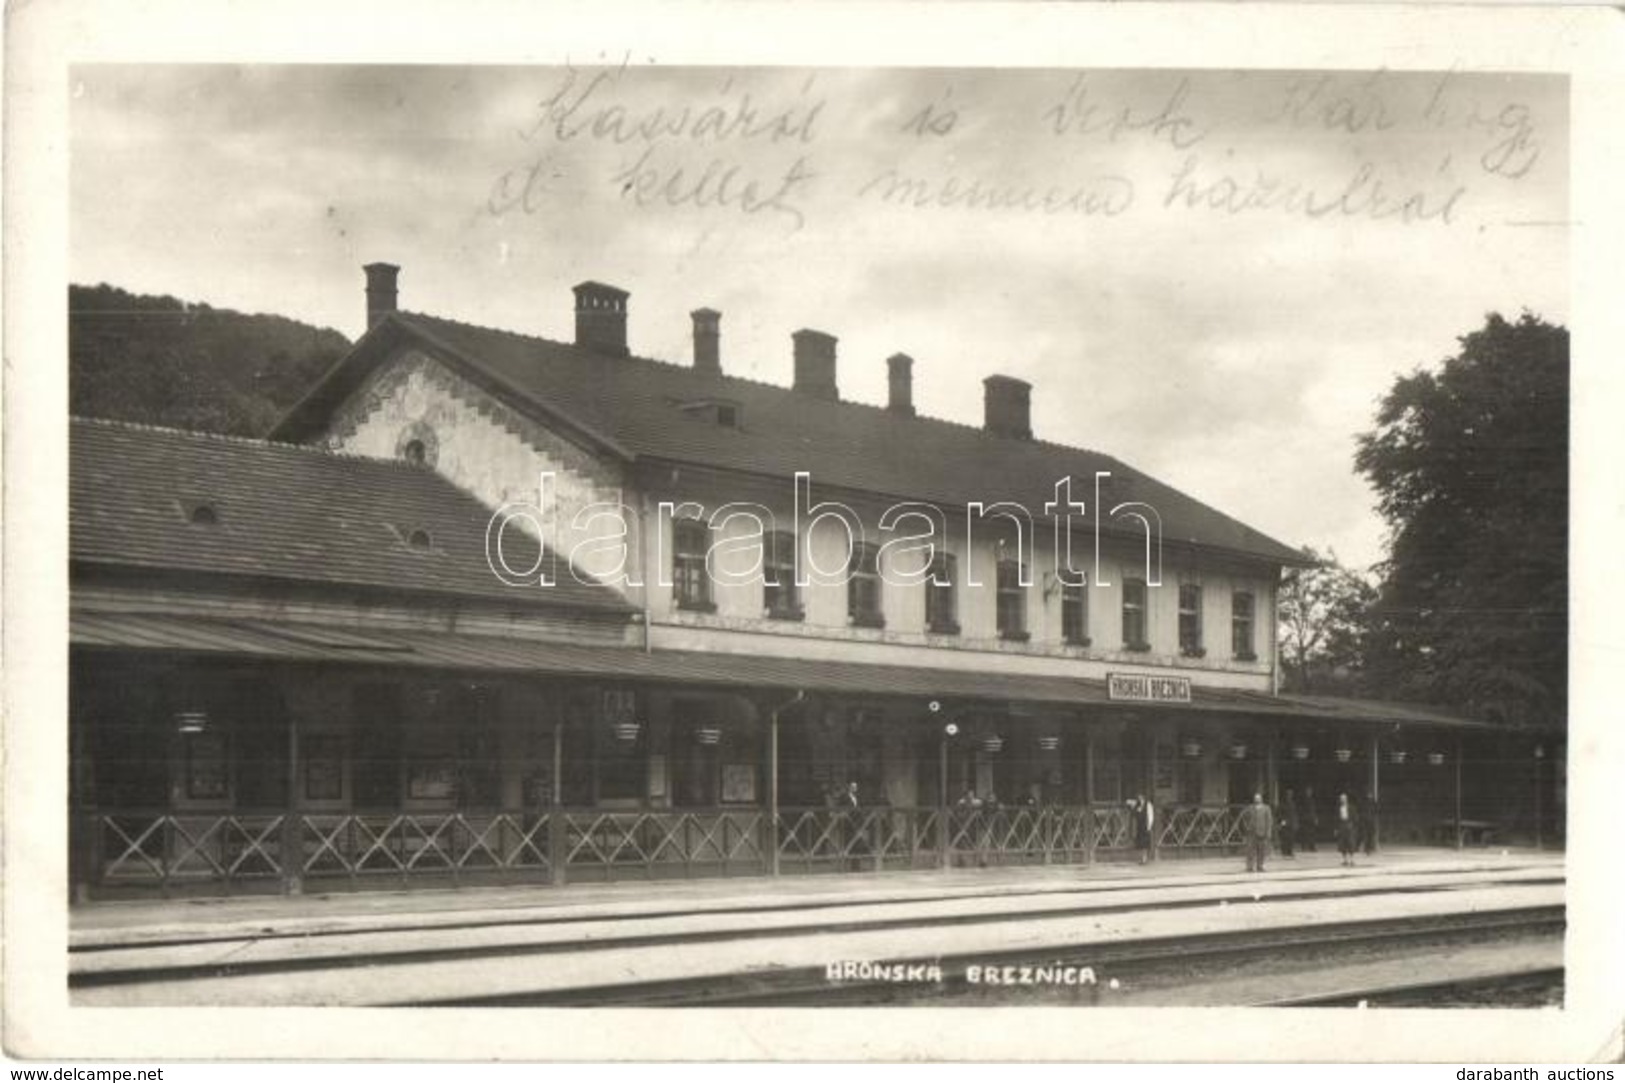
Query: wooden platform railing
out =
(271, 849)
(1201, 827)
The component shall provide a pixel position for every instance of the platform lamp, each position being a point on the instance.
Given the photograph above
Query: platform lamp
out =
(620, 708)
(192, 721)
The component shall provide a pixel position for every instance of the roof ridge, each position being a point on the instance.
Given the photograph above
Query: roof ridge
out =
(233, 438)
(544, 340)
(751, 381)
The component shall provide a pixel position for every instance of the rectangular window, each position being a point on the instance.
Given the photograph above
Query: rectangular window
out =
(779, 593)
(1190, 620)
(1190, 781)
(379, 719)
(322, 758)
(696, 739)
(474, 713)
(1134, 633)
(1012, 601)
(1075, 615)
(207, 774)
(863, 587)
(1241, 626)
(941, 612)
(691, 580)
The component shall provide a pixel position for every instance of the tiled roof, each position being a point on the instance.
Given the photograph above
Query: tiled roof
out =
(632, 407)
(286, 512)
(290, 641)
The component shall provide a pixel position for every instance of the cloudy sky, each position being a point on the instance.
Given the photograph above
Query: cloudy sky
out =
(1212, 275)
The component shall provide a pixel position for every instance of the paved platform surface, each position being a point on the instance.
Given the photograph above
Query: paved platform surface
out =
(510, 944)
(107, 923)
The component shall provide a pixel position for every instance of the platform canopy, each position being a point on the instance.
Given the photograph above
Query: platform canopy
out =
(305, 643)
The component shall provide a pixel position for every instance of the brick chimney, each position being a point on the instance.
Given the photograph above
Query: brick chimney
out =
(900, 377)
(601, 318)
(707, 341)
(815, 364)
(382, 291)
(1008, 407)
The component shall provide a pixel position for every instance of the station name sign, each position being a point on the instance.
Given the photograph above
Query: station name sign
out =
(1144, 688)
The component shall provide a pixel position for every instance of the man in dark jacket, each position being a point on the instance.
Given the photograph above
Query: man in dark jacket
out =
(1257, 824)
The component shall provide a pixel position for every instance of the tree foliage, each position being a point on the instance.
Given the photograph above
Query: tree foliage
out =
(1470, 464)
(1321, 617)
(167, 362)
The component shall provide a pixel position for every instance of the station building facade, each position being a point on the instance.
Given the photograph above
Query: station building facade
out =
(492, 607)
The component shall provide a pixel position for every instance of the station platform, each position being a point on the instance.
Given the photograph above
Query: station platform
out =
(108, 923)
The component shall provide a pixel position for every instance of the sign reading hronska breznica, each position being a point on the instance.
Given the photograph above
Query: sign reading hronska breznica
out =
(1144, 688)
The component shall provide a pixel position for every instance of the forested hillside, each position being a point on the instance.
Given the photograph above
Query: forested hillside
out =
(167, 362)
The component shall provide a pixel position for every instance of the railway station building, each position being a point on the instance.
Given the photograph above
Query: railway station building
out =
(492, 608)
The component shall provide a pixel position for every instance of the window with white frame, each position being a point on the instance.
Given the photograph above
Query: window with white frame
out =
(691, 580)
(1241, 626)
(1011, 601)
(863, 587)
(1134, 624)
(1075, 615)
(1190, 620)
(941, 610)
(780, 596)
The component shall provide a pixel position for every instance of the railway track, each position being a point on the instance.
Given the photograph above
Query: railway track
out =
(1147, 936)
(1132, 964)
(1535, 987)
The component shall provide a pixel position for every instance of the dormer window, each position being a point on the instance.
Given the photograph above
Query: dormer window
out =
(420, 540)
(202, 515)
(418, 444)
(724, 413)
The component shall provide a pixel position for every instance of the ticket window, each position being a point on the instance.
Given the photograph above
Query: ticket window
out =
(715, 755)
(1191, 775)
(204, 766)
(376, 746)
(201, 718)
(696, 754)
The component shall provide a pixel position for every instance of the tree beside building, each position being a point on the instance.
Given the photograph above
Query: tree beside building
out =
(1470, 464)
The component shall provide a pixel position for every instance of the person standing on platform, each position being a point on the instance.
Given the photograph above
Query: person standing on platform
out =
(1309, 823)
(1368, 824)
(1256, 825)
(1289, 824)
(1345, 828)
(1145, 818)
